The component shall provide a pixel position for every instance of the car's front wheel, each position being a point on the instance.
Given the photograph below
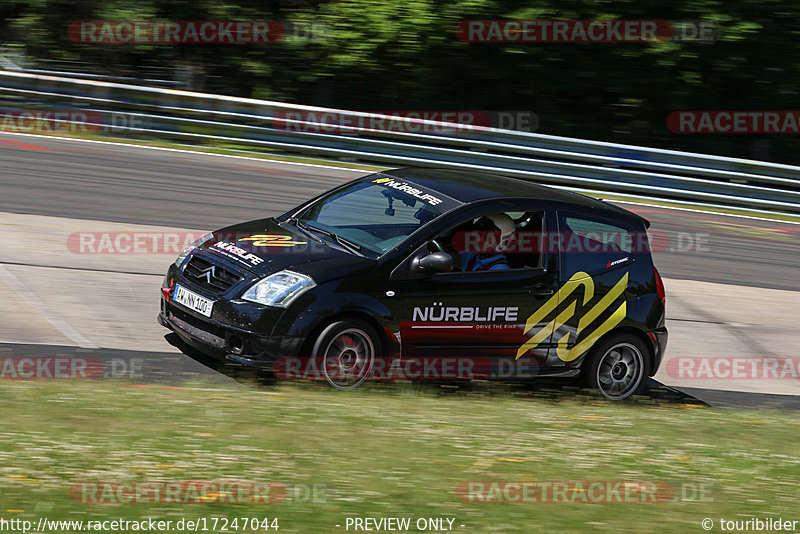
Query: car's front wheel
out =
(617, 367)
(346, 352)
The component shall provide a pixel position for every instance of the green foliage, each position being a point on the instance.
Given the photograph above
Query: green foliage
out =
(404, 55)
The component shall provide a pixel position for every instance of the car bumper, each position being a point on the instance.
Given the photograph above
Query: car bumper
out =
(226, 342)
(659, 338)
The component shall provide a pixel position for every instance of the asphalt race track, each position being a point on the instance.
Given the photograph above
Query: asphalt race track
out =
(703, 254)
(188, 190)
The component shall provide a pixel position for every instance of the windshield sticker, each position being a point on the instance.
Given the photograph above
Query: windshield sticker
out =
(409, 189)
(231, 250)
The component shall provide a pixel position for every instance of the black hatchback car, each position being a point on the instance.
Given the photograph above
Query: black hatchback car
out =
(429, 273)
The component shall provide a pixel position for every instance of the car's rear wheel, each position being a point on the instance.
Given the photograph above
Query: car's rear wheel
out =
(617, 367)
(346, 352)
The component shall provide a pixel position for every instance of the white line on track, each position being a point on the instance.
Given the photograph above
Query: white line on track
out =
(11, 342)
(36, 303)
(263, 160)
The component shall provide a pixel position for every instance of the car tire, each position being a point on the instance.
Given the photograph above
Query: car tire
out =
(617, 367)
(345, 352)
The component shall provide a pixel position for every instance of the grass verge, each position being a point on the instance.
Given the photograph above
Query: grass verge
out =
(399, 451)
(222, 148)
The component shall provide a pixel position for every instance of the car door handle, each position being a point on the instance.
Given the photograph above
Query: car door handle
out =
(541, 290)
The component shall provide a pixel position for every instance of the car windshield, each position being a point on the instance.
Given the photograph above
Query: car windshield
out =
(375, 215)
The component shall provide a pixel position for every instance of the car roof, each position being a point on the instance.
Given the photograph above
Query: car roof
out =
(471, 186)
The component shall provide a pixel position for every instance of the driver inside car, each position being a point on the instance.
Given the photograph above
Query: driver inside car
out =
(494, 259)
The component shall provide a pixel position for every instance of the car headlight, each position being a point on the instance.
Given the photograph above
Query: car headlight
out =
(279, 289)
(190, 248)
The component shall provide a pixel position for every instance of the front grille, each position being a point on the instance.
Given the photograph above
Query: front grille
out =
(207, 275)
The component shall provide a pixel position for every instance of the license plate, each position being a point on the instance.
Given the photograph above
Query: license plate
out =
(192, 300)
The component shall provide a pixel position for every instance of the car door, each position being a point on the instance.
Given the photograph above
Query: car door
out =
(595, 259)
(494, 320)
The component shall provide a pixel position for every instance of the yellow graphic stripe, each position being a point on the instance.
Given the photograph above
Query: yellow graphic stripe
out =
(564, 340)
(272, 240)
(577, 280)
(542, 334)
(616, 318)
(604, 303)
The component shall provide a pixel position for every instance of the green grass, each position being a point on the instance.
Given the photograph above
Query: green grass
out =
(391, 450)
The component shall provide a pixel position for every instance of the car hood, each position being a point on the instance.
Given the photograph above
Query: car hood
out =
(264, 247)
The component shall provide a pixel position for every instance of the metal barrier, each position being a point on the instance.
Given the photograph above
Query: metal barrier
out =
(589, 166)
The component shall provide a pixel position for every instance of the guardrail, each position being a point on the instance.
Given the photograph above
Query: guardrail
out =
(588, 166)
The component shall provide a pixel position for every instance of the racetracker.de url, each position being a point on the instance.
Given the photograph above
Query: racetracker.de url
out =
(200, 524)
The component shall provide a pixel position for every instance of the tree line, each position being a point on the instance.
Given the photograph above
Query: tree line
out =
(413, 55)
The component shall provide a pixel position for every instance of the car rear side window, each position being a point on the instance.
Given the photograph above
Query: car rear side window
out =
(591, 245)
(613, 238)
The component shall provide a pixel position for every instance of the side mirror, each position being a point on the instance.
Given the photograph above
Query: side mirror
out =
(435, 262)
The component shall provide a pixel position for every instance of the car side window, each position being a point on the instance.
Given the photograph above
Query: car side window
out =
(591, 245)
(493, 242)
